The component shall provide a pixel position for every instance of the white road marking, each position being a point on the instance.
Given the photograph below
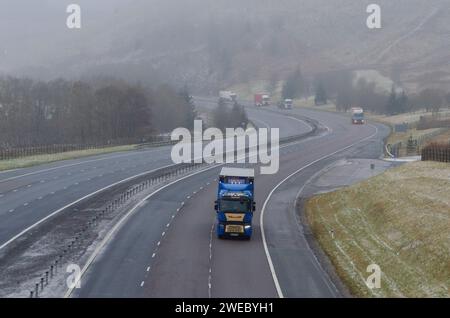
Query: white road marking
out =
(210, 259)
(148, 269)
(75, 164)
(120, 222)
(11, 211)
(81, 199)
(29, 186)
(153, 255)
(142, 284)
(25, 204)
(266, 249)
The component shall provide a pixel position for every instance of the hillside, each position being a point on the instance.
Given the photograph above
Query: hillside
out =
(403, 230)
(212, 44)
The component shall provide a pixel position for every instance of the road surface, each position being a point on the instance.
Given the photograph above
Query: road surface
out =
(168, 247)
(28, 196)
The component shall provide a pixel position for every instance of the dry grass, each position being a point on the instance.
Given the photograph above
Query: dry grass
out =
(410, 118)
(404, 136)
(442, 138)
(399, 220)
(40, 159)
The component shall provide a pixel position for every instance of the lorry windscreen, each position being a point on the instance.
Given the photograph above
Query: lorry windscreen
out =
(238, 205)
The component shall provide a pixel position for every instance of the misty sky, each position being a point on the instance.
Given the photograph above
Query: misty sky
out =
(190, 38)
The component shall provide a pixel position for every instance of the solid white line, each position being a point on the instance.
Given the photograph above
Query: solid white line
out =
(74, 164)
(122, 220)
(267, 126)
(136, 207)
(75, 202)
(266, 249)
(301, 121)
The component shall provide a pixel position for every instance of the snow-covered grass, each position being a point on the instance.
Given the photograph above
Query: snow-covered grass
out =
(409, 118)
(40, 159)
(416, 134)
(399, 220)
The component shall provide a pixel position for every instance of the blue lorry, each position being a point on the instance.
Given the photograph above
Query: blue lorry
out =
(235, 203)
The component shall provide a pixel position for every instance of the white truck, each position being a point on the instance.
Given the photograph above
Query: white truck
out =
(286, 104)
(228, 96)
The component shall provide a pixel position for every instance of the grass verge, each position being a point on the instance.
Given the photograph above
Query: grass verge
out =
(41, 159)
(399, 220)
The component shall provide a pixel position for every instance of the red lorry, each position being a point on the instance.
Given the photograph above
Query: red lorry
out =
(262, 100)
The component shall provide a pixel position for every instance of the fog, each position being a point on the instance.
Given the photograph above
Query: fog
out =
(213, 44)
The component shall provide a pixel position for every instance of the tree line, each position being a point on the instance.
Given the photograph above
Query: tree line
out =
(346, 92)
(88, 112)
(229, 116)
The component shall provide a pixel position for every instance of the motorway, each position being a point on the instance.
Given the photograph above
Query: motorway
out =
(168, 248)
(29, 196)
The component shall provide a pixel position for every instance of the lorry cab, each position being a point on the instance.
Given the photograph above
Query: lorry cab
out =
(358, 116)
(261, 100)
(288, 104)
(266, 100)
(235, 203)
